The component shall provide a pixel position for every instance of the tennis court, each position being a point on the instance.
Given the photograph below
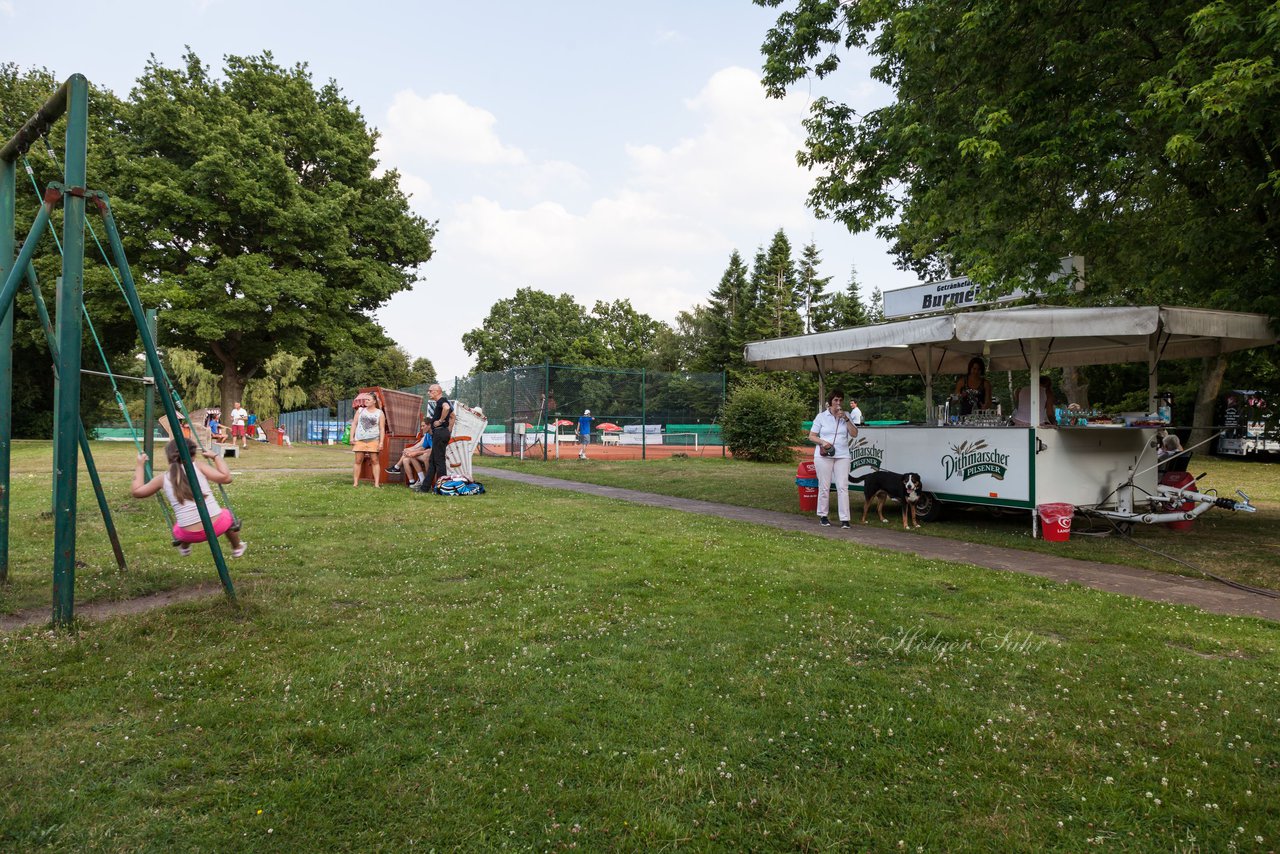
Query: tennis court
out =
(613, 447)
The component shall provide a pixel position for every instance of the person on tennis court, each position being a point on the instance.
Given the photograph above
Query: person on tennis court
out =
(584, 433)
(187, 527)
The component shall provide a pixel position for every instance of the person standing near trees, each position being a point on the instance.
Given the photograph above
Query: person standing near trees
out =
(239, 418)
(830, 434)
(368, 432)
(441, 427)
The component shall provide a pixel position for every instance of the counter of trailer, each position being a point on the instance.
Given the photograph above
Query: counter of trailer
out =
(1018, 467)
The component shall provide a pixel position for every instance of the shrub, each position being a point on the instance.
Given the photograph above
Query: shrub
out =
(762, 421)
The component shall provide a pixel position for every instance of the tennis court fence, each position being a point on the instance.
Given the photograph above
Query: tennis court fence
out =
(533, 410)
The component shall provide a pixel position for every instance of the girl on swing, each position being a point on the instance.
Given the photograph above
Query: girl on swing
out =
(187, 528)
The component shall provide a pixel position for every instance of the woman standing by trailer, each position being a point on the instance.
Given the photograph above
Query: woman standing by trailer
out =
(831, 432)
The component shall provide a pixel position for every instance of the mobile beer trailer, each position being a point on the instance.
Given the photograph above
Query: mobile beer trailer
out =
(1109, 470)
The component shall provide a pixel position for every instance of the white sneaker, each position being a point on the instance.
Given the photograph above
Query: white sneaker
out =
(184, 550)
(239, 550)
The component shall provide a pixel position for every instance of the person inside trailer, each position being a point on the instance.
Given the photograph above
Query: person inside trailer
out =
(1171, 456)
(1022, 408)
(1170, 445)
(973, 390)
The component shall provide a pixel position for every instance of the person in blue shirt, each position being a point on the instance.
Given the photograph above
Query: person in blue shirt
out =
(413, 461)
(584, 433)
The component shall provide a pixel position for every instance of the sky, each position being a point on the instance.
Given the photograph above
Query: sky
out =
(605, 150)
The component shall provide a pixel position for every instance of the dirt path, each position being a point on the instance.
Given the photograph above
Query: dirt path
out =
(95, 611)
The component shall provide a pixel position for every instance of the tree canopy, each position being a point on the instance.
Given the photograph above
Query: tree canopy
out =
(21, 94)
(256, 217)
(1144, 136)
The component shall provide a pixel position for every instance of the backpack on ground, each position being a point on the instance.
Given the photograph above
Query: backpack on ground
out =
(458, 486)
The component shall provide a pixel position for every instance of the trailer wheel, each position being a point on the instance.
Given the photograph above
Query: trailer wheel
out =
(928, 507)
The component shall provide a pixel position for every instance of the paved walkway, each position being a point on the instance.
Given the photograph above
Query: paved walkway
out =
(1130, 581)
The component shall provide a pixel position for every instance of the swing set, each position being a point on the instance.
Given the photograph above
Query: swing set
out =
(70, 438)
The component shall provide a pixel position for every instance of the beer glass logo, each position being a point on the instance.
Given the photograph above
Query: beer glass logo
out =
(970, 459)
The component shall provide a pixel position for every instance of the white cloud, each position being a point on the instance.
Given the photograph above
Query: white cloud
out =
(418, 191)
(660, 236)
(443, 129)
(551, 177)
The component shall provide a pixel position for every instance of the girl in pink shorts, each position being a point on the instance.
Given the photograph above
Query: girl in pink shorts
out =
(187, 528)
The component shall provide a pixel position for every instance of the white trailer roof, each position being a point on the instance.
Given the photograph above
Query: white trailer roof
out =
(1067, 336)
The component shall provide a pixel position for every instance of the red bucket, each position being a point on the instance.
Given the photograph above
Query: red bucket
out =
(807, 486)
(1055, 521)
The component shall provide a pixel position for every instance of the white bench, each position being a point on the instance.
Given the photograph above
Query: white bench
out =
(610, 438)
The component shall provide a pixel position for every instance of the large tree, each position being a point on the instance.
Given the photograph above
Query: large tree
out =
(627, 338)
(845, 309)
(773, 282)
(529, 328)
(719, 345)
(256, 216)
(21, 94)
(346, 372)
(533, 327)
(1144, 136)
(811, 290)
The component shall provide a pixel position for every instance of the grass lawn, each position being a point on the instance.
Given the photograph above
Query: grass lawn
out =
(1244, 547)
(538, 670)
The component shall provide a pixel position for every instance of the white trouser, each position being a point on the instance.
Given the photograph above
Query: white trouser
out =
(837, 469)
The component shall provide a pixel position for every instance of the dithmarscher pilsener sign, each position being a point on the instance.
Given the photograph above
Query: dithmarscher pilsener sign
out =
(963, 292)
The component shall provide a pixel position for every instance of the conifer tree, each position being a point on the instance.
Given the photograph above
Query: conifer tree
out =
(875, 311)
(774, 281)
(811, 296)
(846, 308)
(722, 350)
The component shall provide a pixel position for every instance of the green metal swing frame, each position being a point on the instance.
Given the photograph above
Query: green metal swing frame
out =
(69, 438)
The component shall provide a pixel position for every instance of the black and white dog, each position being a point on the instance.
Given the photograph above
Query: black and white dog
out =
(903, 488)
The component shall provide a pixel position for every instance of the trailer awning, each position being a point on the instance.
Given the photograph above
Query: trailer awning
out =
(1067, 336)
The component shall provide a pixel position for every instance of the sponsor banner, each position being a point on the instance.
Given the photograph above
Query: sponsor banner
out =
(964, 293)
(991, 464)
(864, 454)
